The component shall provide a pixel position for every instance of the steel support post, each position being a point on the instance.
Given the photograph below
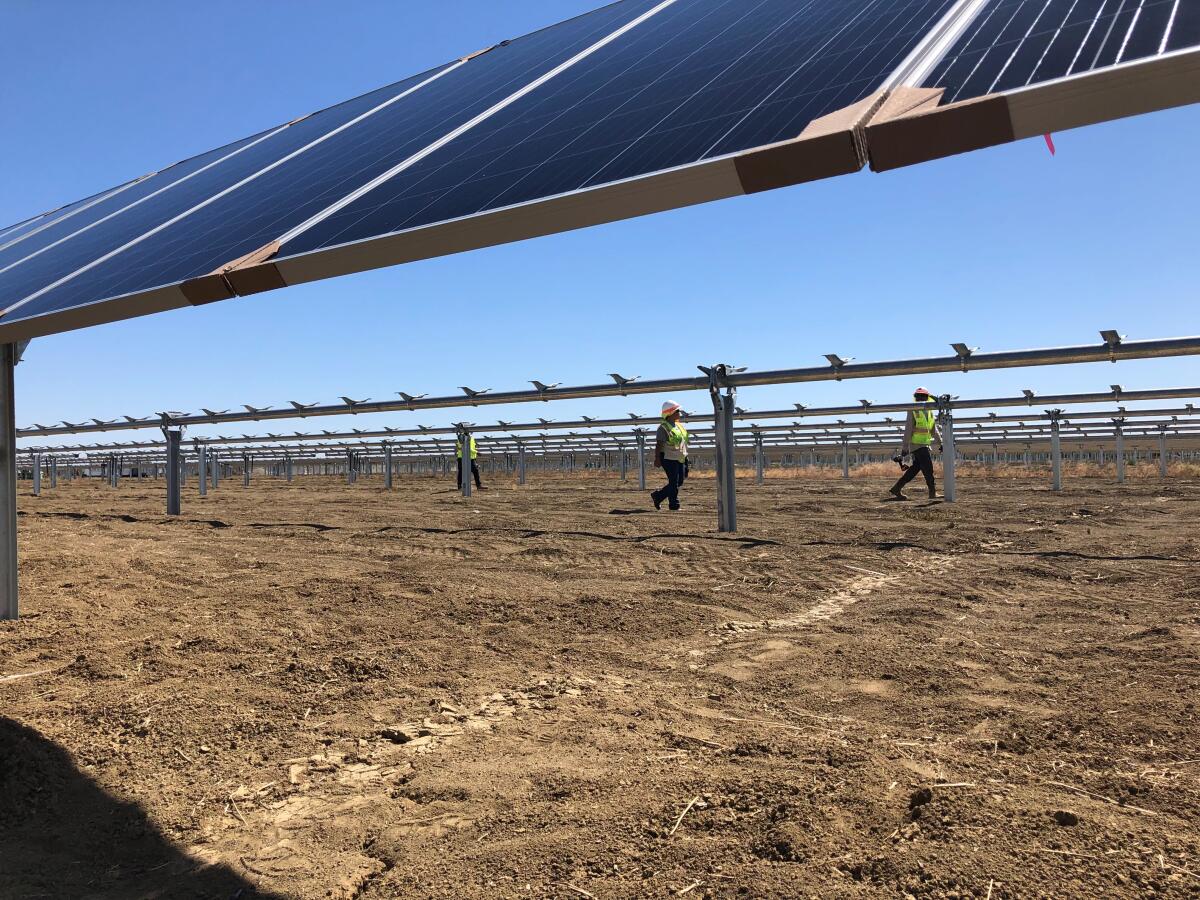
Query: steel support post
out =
(520, 463)
(174, 437)
(202, 469)
(54, 472)
(37, 474)
(1120, 438)
(641, 456)
(846, 458)
(8, 484)
(1162, 451)
(949, 484)
(215, 462)
(624, 454)
(1055, 448)
(726, 462)
(245, 470)
(758, 458)
(464, 454)
(387, 466)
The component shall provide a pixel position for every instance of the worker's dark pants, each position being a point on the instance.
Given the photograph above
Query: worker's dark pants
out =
(676, 473)
(922, 461)
(474, 471)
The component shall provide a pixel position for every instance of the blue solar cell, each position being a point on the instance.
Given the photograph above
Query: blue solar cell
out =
(99, 212)
(22, 231)
(250, 217)
(232, 165)
(1015, 43)
(699, 80)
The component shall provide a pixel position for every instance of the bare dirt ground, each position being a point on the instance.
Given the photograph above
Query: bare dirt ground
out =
(318, 690)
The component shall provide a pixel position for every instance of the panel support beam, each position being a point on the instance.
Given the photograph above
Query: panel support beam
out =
(724, 398)
(464, 456)
(174, 438)
(1055, 448)
(1120, 449)
(949, 482)
(8, 483)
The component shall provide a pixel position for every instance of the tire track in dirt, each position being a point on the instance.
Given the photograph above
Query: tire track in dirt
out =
(736, 647)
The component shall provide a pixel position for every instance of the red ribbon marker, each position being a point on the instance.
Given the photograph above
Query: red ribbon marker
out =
(1049, 142)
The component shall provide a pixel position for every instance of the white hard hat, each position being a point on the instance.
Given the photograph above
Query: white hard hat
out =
(669, 407)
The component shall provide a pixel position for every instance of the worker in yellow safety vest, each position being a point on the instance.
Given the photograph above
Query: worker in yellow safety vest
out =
(920, 431)
(670, 455)
(474, 465)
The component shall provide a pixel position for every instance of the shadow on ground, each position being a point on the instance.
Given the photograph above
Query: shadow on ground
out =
(62, 835)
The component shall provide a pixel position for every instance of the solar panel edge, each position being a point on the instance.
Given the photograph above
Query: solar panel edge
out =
(896, 139)
(101, 312)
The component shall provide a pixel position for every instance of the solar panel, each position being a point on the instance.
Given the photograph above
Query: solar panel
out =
(375, 136)
(1024, 67)
(1015, 43)
(699, 81)
(636, 107)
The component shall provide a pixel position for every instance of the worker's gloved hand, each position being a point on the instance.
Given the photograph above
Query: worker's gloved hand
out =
(939, 448)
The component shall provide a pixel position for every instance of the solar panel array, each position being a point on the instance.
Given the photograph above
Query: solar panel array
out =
(638, 106)
(1015, 43)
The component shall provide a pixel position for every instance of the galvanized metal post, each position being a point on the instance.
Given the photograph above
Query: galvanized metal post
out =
(641, 455)
(202, 469)
(1055, 447)
(387, 466)
(287, 468)
(845, 458)
(1162, 451)
(37, 474)
(624, 454)
(246, 470)
(216, 469)
(758, 457)
(54, 471)
(726, 462)
(464, 455)
(174, 437)
(949, 483)
(520, 463)
(8, 484)
(1120, 436)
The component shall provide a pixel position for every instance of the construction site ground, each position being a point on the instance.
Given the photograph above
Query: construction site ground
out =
(319, 690)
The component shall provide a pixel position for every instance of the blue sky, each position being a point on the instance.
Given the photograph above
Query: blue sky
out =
(1003, 249)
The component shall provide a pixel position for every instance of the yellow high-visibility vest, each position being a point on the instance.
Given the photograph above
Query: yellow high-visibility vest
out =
(677, 437)
(458, 449)
(922, 435)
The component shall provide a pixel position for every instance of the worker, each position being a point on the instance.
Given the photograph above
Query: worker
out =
(670, 455)
(920, 431)
(474, 465)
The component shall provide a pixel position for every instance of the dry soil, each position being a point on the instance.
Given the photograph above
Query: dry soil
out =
(321, 690)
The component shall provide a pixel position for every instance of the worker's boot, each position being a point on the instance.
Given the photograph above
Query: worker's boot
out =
(897, 493)
(656, 499)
